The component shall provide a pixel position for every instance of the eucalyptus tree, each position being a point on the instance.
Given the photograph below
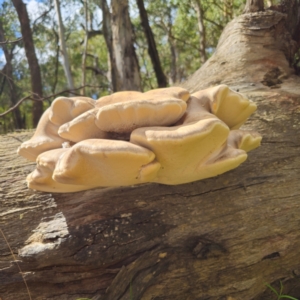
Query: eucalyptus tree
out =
(34, 67)
(63, 48)
(127, 67)
(85, 45)
(118, 33)
(152, 49)
(202, 34)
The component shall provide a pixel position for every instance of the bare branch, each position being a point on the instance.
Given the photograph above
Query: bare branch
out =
(184, 42)
(221, 27)
(17, 105)
(41, 16)
(97, 71)
(11, 42)
(31, 97)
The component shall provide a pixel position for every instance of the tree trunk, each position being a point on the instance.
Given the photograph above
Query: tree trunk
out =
(18, 122)
(173, 66)
(85, 47)
(35, 74)
(254, 6)
(152, 50)
(173, 51)
(219, 238)
(201, 27)
(228, 9)
(63, 48)
(128, 74)
(107, 33)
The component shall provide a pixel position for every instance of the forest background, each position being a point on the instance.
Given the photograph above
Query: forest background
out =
(96, 47)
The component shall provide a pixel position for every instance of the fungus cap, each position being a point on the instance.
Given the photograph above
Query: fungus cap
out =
(174, 92)
(41, 178)
(229, 106)
(181, 150)
(125, 117)
(45, 138)
(82, 128)
(118, 97)
(244, 139)
(65, 109)
(97, 162)
(126, 96)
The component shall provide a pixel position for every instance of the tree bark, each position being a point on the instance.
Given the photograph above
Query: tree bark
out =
(254, 6)
(201, 27)
(85, 47)
(63, 48)
(128, 74)
(107, 33)
(34, 67)
(18, 122)
(172, 45)
(173, 51)
(228, 9)
(219, 238)
(292, 10)
(152, 50)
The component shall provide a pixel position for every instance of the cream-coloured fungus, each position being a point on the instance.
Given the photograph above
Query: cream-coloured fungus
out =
(164, 135)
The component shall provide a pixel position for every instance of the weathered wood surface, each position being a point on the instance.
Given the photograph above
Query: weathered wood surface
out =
(220, 238)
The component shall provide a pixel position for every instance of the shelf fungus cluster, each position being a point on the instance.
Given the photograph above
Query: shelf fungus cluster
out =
(166, 136)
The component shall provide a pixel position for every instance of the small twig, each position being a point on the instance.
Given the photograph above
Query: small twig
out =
(41, 16)
(96, 70)
(30, 97)
(16, 105)
(15, 138)
(11, 42)
(15, 260)
(184, 42)
(221, 27)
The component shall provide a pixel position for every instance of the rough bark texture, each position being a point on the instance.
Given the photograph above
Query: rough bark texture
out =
(127, 67)
(254, 49)
(292, 10)
(173, 51)
(254, 6)
(152, 50)
(220, 238)
(201, 27)
(107, 33)
(34, 67)
(85, 47)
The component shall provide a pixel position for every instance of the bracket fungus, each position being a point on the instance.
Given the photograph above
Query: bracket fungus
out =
(164, 135)
(46, 135)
